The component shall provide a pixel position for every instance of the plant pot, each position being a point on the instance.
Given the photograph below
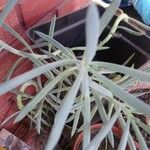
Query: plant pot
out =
(139, 87)
(70, 32)
(94, 129)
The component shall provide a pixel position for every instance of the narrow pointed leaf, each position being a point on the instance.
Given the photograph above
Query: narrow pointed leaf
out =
(51, 30)
(124, 138)
(86, 110)
(129, 59)
(103, 132)
(137, 74)
(99, 88)
(139, 136)
(75, 123)
(31, 105)
(110, 109)
(64, 111)
(130, 139)
(52, 26)
(132, 101)
(10, 118)
(56, 44)
(8, 75)
(20, 53)
(103, 115)
(143, 125)
(92, 31)
(37, 45)
(15, 34)
(38, 123)
(13, 83)
(6, 10)
(108, 14)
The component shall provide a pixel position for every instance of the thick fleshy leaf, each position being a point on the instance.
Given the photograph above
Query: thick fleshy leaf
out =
(64, 111)
(37, 45)
(15, 34)
(108, 14)
(75, 123)
(137, 74)
(52, 26)
(130, 31)
(31, 105)
(8, 75)
(93, 112)
(103, 132)
(70, 118)
(132, 101)
(130, 139)
(102, 3)
(51, 30)
(103, 115)
(110, 109)
(139, 136)
(38, 63)
(143, 125)
(100, 89)
(39, 120)
(124, 138)
(20, 53)
(56, 44)
(86, 110)
(13, 83)
(129, 59)
(92, 31)
(6, 10)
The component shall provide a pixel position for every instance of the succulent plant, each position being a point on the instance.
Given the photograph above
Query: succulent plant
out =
(73, 84)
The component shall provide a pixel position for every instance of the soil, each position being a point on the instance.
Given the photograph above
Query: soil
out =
(105, 145)
(109, 147)
(145, 98)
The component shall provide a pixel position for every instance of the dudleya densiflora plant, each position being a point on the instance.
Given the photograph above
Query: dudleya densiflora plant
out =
(82, 81)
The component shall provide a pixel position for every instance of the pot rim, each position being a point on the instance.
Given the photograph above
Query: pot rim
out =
(116, 131)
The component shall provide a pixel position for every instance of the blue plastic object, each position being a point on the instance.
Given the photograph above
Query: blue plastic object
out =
(143, 8)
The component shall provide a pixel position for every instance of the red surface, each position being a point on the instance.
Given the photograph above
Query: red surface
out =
(12, 20)
(24, 15)
(96, 128)
(34, 140)
(34, 10)
(71, 6)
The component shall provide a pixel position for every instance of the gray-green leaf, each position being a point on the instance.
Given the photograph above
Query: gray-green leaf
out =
(13, 83)
(92, 31)
(6, 10)
(64, 111)
(103, 132)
